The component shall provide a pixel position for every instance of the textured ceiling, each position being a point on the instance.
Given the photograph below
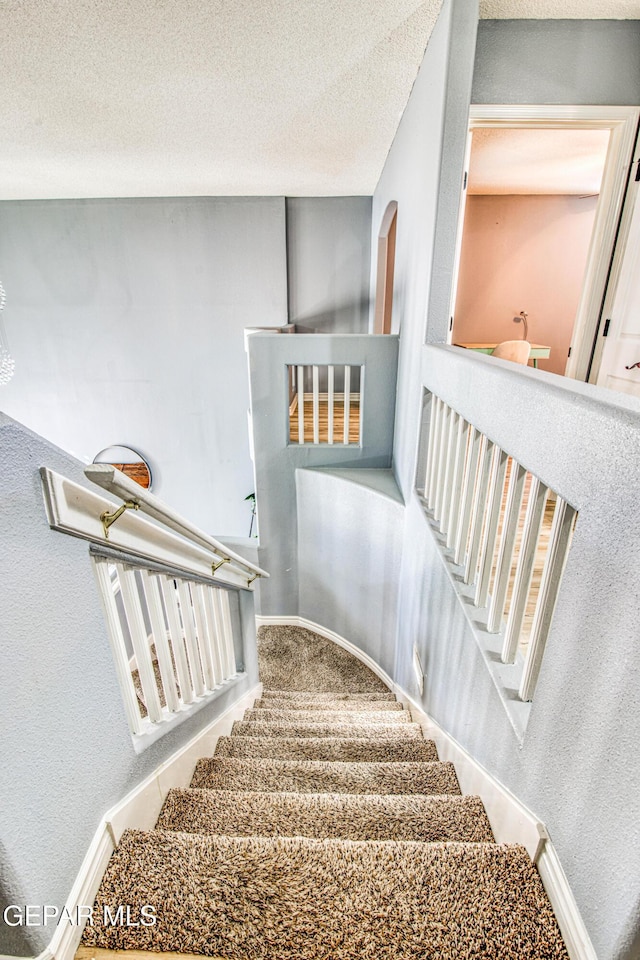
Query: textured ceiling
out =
(112, 98)
(203, 97)
(537, 161)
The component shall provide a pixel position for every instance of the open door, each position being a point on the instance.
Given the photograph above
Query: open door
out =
(617, 356)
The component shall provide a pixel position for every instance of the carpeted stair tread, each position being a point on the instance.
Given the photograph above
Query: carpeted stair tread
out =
(326, 748)
(258, 728)
(335, 695)
(346, 706)
(327, 815)
(320, 776)
(303, 899)
(327, 716)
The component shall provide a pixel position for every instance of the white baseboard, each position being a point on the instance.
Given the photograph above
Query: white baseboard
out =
(139, 810)
(510, 820)
(572, 928)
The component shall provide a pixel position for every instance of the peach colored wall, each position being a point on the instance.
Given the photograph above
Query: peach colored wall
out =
(523, 253)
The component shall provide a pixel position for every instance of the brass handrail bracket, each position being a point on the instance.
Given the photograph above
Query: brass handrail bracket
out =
(215, 566)
(109, 518)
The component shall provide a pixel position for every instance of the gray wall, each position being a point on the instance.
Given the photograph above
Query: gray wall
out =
(558, 61)
(585, 700)
(126, 317)
(276, 460)
(349, 555)
(328, 259)
(423, 173)
(67, 752)
(576, 768)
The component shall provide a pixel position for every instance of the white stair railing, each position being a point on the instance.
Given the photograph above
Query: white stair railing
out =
(169, 591)
(509, 532)
(171, 638)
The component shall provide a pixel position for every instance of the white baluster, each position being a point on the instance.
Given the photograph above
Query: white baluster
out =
(347, 402)
(178, 637)
(330, 400)
(118, 645)
(559, 543)
(300, 404)
(507, 546)
(496, 491)
(159, 631)
(524, 569)
(193, 650)
(316, 404)
(139, 641)
(479, 509)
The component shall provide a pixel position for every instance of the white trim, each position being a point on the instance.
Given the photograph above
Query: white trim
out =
(572, 928)
(622, 122)
(139, 810)
(75, 510)
(510, 820)
(328, 635)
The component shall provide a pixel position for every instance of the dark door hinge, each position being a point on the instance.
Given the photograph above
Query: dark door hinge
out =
(569, 354)
(466, 177)
(450, 324)
(605, 332)
(638, 172)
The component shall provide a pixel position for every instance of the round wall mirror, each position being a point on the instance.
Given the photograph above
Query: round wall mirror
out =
(128, 461)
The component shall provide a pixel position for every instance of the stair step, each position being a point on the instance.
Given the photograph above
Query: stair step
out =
(326, 815)
(256, 728)
(301, 899)
(328, 716)
(320, 776)
(347, 706)
(326, 748)
(306, 695)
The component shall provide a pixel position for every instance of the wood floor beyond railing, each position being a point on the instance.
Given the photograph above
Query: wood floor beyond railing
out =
(323, 418)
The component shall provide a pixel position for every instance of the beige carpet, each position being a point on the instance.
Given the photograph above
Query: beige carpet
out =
(325, 828)
(292, 658)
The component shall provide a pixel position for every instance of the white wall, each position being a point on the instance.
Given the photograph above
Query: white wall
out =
(125, 319)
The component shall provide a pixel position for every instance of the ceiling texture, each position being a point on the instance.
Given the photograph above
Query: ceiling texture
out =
(132, 98)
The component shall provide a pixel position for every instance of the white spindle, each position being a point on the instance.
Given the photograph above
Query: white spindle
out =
(215, 632)
(178, 637)
(361, 405)
(330, 400)
(454, 420)
(227, 633)
(455, 503)
(468, 488)
(204, 635)
(524, 569)
(300, 404)
(139, 641)
(347, 401)
(118, 646)
(188, 622)
(316, 404)
(160, 639)
(490, 537)
(431, 446)
(435, 440)
(478, 509)
(507, 546)
(560, 539)
(442, 460)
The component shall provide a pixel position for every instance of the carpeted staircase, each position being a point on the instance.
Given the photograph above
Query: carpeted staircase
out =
(326, 827)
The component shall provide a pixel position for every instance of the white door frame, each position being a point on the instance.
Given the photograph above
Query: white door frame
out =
(622, 122)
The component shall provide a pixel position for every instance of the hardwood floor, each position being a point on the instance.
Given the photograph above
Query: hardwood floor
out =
(323, 418)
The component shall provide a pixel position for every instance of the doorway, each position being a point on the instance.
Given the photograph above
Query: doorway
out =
(540, 209)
